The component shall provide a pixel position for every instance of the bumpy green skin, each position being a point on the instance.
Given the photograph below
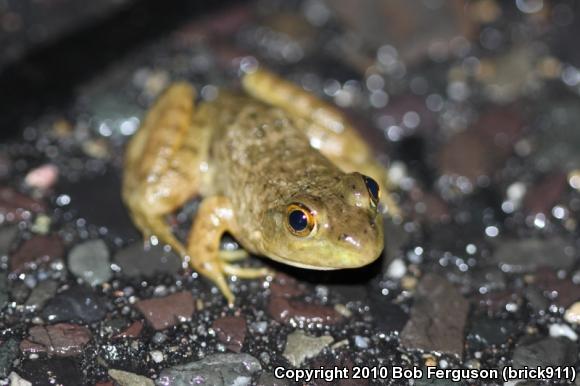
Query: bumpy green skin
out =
(250, 156)
(262, 162)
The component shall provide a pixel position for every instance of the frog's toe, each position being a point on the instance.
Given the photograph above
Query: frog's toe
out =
(245, 273)
(233, 255)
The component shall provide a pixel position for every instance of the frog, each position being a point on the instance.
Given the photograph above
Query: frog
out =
(276, 167)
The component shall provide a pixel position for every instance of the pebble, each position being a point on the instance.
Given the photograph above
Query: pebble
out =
(267, 379)
(78, 303)
(8, 352)
(572, 314)
(468, 154)
(63, 339)
(133, 331)
(231, 331)
(491, 332)
(557, 330)
(562, 291)
(157, 356)
(300, 346)
(213, 370)
(54, 370)
(361, 342)
(15, 206)
(545, 352)
(42, 177)
(438, 317)
(397, 269)
(125, 378)
(42, 293)
(388, 316)
(8, 234)
(90, 262)
(541, 197)
(167, 311)
(17, 380)
(136, 261)
(3, 290)
(529, 254)
(40, 249)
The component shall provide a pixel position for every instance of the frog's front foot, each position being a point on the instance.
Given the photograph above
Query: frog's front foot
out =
(214, 217)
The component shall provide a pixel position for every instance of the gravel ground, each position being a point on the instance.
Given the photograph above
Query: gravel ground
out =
(475, 107)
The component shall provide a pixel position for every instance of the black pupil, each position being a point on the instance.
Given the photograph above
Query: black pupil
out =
(373, 187)
(298, 220)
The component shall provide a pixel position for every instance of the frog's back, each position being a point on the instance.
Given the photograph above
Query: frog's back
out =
(259, 151)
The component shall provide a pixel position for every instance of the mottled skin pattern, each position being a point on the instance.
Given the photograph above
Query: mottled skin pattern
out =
(250, 156)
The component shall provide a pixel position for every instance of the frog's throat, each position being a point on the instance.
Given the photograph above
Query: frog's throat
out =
(301, 265)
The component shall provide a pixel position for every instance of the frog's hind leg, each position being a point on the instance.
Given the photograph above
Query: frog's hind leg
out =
(326, 127)
(158, 175)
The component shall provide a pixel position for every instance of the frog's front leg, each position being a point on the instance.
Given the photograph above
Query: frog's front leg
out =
(215, 216)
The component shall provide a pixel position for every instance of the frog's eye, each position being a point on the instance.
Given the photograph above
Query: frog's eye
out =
(373, 189)
(299, 220)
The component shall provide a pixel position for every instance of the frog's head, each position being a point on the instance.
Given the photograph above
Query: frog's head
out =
(340, 227)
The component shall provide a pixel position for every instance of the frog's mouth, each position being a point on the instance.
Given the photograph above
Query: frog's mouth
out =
(297, 264)
(302, 265)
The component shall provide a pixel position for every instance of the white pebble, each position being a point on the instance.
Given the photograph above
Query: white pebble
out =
(572, 314)
(361, 342)
(43, 177)
(397, 269)
(157, 356)
(557, 330)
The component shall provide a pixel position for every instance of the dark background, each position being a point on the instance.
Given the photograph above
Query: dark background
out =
(40, 70)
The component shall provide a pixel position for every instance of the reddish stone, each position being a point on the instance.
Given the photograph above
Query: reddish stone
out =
(133, 331)
(435, 209)
(437, 319)
(37, 250)
(63, 339)
(468, 154)
(496, 301)
(563, 291)
(231, 331)
(544, 195)
(285, 310)
(286, 286)
(503, 126)
(14, 206)
(167, 311)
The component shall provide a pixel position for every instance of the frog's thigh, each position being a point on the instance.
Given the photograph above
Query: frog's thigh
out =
(159, 176)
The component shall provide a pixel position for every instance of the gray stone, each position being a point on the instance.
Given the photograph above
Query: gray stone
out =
(529, 254)
(7, 236)
(545, 352)
(300, 347)
(136, 261)
(42, 293)
(90, 262)
(8, 351)
(213, 370)
(76, 303)
(3, 290)
(438, 318)
(125, 378)
(17, 380)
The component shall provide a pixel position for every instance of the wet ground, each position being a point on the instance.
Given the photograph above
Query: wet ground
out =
(473, 106)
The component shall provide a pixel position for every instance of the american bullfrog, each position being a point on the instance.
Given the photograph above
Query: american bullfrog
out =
(280, 170)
